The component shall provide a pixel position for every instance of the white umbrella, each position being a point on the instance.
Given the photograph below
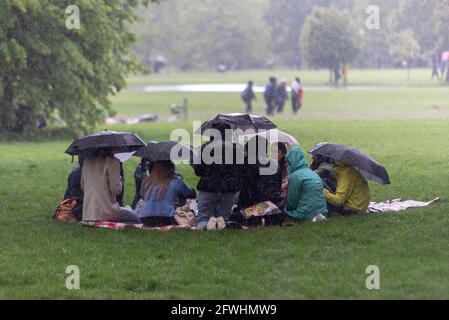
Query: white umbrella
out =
(273, 135)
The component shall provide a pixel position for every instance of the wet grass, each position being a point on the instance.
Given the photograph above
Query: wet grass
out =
(400, 103)
(404, 128)
(307, 261)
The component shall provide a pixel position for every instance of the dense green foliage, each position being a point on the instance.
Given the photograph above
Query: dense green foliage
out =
(329, 38)
(272, 29)
(47, 67)
(208, 33)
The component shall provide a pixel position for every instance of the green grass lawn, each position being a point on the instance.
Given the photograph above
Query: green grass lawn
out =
(306, 261)
(404, 103)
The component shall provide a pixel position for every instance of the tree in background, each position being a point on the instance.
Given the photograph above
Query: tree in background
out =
(210, 32)
(44, 66)
(405, 48)
(441, 18)
(286, 19)
(417, 16)
(329, 39)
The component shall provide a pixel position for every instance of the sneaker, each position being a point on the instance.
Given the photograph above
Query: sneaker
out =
(221, 224)
(319, 217)
(212, 225)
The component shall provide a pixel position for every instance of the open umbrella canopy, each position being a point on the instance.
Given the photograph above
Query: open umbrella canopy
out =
(273, 135)
(238, 121)
(120, 141)
(165, 151)
(367, 166)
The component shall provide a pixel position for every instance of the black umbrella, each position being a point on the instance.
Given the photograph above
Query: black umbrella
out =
(367, 166)
(120, 141)
(165, 151)
(238, 121)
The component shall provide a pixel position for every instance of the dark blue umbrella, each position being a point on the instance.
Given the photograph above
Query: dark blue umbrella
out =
(238, 121)
(165, 151)
(367, 166)
(120, 141)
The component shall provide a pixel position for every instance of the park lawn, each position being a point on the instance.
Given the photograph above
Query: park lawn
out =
(384, 77)
(306, 261)
(397, 103)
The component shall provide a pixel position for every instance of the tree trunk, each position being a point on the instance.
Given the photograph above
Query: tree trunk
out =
(8, 116)
(447, 73)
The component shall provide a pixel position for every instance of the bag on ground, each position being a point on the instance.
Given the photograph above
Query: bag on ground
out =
(65, 210)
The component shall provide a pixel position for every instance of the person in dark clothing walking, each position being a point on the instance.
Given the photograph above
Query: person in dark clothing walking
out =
(281, 96)
(435, 63)
(270, 96)
(248, 96)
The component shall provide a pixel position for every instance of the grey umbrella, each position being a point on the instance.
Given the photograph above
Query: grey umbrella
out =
(238, 121)
(120, 141)
(165, 151)
(367, 166)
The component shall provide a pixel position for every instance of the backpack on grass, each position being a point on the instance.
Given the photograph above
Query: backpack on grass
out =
(263, 214)
(68, 210)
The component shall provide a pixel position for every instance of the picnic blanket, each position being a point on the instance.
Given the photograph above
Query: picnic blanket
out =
(397, 205)
(121, 226)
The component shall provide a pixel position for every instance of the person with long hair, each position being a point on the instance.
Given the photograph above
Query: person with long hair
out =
(159, 191)
(102, 182)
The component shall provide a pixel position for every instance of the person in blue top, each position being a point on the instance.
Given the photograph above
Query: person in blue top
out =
(159, 191)
(305, 198)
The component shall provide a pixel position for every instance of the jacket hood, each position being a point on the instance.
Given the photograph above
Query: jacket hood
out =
(297, 160)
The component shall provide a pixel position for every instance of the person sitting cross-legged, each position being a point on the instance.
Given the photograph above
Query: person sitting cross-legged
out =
(159, 191)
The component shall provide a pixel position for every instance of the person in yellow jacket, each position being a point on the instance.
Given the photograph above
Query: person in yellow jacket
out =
(352, 195)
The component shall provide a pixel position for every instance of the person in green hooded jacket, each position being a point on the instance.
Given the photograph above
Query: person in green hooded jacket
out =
(305, 198)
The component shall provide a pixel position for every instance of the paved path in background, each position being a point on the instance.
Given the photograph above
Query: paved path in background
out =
(237, 88)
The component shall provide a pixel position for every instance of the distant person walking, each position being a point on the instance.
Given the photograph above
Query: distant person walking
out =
(297, 95)
(281, 96)
(337, 75)
(248, 96)
(435, 63)
(270, 96)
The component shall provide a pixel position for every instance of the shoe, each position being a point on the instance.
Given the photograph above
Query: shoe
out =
(319, 217)
(221, 224)
(234, 225)
(212, 225)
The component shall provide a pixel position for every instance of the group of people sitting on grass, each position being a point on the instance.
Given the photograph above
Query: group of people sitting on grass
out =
(298, 191)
